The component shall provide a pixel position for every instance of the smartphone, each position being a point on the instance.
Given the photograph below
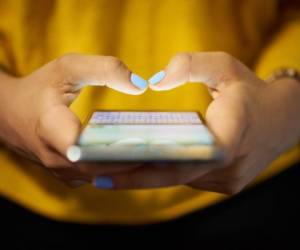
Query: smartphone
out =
(145, 136)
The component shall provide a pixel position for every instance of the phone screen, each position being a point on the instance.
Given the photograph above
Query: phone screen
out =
(145, 128)
(145, 136)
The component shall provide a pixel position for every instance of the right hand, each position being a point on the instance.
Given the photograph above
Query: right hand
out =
(35, 119)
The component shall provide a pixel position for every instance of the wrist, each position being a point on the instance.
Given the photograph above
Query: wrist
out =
(291, 91)
(7, 101)
(287, 105)
(6, 91)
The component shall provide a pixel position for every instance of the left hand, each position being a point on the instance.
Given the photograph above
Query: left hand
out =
(247, 115)
(35, 118)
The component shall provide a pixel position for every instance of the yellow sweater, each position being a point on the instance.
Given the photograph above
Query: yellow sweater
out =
(145, 34)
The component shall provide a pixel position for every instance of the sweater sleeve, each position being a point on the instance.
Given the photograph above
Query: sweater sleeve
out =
(282, 50)
(4, 65)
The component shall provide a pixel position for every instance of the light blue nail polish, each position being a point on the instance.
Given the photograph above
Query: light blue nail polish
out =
(138, 81)
(103, 182)
(156, 78)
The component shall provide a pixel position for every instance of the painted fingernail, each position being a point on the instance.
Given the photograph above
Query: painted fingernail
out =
(103, 182)
(156, 78)
(138, 81)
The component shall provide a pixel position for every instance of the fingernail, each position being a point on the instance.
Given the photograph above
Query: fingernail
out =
(103, 182)
(138, 81)
(156, 78)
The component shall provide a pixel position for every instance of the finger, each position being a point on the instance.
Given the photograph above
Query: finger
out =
(51, 159)
(82, 70)
(151, 176)
(76, 183)
(69, 174)
(97, 169)
(231, 179)
(58, 128)
(208, 186)
(210, 68)
(71, 180)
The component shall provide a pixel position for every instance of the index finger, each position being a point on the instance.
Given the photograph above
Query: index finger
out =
(210, 68)
(83, 70)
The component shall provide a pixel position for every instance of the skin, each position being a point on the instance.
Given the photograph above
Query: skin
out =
(248, 116)
(254, 121)
(38, 123)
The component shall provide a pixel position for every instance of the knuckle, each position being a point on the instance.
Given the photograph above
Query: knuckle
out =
(182, 58)
(232, 188)
(181, 65)
(66, 59)
(223, 55)
(113, 63)
(49, 161)
(231, 64)
(63, 62)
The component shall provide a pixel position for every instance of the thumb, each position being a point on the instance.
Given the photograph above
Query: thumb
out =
(211, 68)
(78, 71)
(59, 128)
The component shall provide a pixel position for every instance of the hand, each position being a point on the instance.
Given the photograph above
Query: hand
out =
(247, 115)
(36, 120)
